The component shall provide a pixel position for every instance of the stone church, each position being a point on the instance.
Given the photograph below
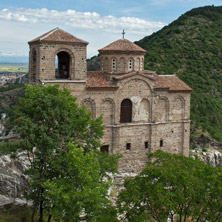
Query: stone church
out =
(142, 111)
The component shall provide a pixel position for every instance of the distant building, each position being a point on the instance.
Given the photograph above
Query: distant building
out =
(143, 111)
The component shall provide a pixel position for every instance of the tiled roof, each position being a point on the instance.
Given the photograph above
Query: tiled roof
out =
(172, 82)
(58, 35)
(97, 79)
(122, 45)
(145, 72)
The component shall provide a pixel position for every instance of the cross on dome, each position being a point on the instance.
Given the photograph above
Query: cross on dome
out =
(123, 33)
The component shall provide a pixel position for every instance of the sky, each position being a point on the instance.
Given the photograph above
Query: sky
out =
(99, 22)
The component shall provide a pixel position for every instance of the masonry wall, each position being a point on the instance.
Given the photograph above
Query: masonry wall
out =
(156, 116)
(122, 62)
(174, 137)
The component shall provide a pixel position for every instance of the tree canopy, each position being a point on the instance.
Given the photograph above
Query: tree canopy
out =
(61, 140)
(79, 194)
(173, 186)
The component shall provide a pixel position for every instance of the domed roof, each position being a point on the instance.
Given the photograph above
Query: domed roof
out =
(122, 45)
(58, 35)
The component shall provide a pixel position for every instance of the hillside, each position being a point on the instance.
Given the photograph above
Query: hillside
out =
(10, 98)
(191, 47)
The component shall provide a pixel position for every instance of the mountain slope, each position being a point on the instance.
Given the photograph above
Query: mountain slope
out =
(191, 47)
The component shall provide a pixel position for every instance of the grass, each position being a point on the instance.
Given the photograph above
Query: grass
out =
(20, 214)
(13, 68)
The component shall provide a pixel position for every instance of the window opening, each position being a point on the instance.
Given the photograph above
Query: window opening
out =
(141, 65)
(34, 65)
(161, 143)
(114, 64)
(62, 65)
(130, 67)
(128, 146)
(126, 111)
(146, 144)
(104, 148)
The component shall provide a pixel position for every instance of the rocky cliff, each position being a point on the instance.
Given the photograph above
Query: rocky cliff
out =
(13, 182)
(209, 156)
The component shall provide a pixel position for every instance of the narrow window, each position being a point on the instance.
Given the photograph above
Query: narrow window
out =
(126, 111)
(146, 144)
(113, 64)
(161, 143)
(34, 65)
(128, 146)
(102, 65)
(141, 65)
(104, 148)
(106, 64)
(130, 65)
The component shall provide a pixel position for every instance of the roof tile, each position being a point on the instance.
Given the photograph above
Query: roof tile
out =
(122, 45)
(97, 79)
(172, 82)
(58, 35)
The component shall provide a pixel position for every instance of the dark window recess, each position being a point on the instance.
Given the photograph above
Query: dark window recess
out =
(161, 143)
(63, 65)
(146, 144)
(104, 148)
(128, 146)
(126, 111)
(34, 65)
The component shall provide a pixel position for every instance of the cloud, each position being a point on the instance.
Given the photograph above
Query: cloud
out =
(22, 25)
(85, 20)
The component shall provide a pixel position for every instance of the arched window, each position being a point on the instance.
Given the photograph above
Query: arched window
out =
(130, 65)
(90, 105)
(113, 64)
(137, 68)
(126, 111)
(141, 64)
(106, 64)
(121, 65)
(63, 60)
(34, 67)
(102, 64)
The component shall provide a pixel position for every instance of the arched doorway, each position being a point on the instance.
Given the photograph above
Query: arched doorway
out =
(62, 65)
(126, 111)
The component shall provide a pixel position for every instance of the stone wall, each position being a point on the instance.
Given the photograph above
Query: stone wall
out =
(156, 116)
(121, 62)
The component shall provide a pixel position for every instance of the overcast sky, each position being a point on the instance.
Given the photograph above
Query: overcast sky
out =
(99, 22)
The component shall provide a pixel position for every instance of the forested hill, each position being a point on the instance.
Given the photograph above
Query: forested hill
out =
(191, 47)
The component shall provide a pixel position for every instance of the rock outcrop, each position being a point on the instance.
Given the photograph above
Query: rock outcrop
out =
(13, 182)
(209, 156)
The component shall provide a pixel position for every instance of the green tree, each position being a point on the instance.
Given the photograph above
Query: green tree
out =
(79, 194)
(47, 119)
(173, 185)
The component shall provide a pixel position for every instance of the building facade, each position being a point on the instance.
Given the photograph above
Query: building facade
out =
(142, 111)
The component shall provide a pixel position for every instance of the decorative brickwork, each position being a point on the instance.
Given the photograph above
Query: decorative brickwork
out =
(160, 104)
